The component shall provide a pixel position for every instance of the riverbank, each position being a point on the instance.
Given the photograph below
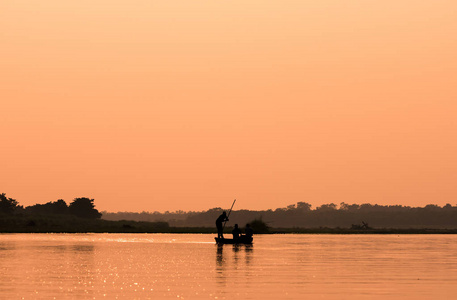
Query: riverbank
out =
(363, 231)
(72, 224)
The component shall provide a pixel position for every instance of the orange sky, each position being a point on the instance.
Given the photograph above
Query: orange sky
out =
(165, 105)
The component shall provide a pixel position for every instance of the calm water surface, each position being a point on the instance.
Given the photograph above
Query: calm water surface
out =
(191, 266)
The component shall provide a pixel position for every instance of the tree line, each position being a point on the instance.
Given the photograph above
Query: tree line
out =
(303, 215)
(299, 215)
(79, 207)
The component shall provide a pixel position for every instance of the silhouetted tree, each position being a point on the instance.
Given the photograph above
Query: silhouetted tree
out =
(432, 207)
(327, 207)
(303, 206)
(59, 207)
(84, 208)
(259, 226)
(366, 207)
(448, 206)
(7, 205)
(56, 207)
(291, 207)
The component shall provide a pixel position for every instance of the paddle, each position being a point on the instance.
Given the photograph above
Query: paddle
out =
(228, 214)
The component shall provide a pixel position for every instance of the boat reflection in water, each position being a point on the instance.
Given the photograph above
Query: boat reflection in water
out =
(236, 248)
(230, 259)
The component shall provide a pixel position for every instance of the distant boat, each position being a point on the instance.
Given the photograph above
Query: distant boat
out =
(242, 240)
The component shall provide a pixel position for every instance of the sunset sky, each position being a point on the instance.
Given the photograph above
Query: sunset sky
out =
(185, 105)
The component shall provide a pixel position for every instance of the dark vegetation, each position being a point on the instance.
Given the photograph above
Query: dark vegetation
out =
(259, 226)
(82, 216)
(302, 216)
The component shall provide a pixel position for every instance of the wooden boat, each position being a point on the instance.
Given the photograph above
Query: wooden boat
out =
(242, 240)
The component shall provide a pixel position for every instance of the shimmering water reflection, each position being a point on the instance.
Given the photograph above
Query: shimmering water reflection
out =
(183, 266)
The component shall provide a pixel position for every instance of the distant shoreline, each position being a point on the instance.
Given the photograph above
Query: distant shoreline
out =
(329, 231)
(369, 231)
(72, 224)
(127, 227)
(80, 215)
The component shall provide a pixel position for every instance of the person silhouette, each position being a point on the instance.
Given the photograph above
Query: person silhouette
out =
(236, 232)
(222, 218)
(248, 231)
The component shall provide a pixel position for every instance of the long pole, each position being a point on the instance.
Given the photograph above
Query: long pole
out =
(229, 213)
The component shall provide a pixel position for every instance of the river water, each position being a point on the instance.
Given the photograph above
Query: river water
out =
(191, 266)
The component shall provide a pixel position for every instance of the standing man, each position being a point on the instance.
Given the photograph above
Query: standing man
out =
(221, 219)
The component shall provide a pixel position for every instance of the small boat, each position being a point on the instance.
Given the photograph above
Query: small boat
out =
(242, 240)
